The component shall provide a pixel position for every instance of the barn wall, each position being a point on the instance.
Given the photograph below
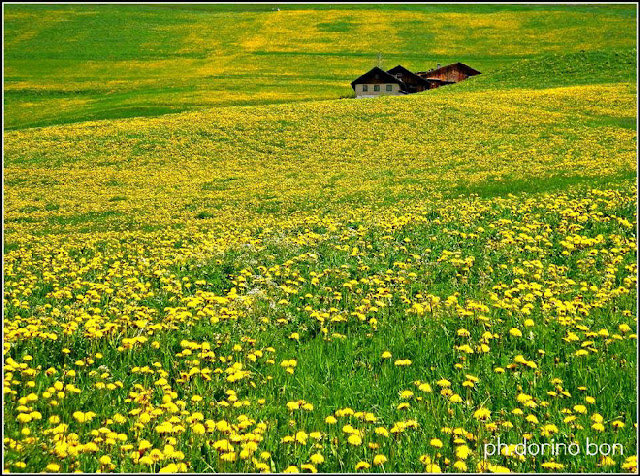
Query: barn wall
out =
(454, 75)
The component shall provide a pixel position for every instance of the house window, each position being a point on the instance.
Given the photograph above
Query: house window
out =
(365, 87)
(376, 87)
(389, 87)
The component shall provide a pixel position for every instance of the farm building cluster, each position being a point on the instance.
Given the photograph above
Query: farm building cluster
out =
(400, 80)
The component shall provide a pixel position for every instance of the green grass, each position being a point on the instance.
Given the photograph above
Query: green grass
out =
(506, 185)
(557, 70)
(271, 182)
(70, 63)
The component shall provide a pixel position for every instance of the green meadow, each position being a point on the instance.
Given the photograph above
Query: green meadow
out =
(73, 63)
(217, 260)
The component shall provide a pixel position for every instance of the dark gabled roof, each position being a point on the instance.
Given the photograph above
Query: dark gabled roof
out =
(461, 66)
(401, 69)
(376, 73)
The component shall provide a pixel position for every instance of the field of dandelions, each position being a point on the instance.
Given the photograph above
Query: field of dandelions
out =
(326, 286)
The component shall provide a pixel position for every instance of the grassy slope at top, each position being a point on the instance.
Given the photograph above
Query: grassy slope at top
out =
(69, 63)
(557, 70)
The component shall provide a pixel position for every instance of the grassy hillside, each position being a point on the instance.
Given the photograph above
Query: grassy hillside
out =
(332, 285)
(72, 63)
(336, 285)
(557, 70)
(318, 155)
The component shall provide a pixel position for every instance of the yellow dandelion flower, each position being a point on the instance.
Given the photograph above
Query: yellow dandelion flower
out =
(379, 460)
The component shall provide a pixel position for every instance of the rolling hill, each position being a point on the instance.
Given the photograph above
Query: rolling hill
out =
(214, 262)
(72, 63)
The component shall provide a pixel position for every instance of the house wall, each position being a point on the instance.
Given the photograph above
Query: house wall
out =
(395, 90)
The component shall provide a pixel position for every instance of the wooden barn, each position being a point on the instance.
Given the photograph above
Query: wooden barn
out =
(452, 73)
(436, 83)
(412, 82)
(377, 82)
(399, 80)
